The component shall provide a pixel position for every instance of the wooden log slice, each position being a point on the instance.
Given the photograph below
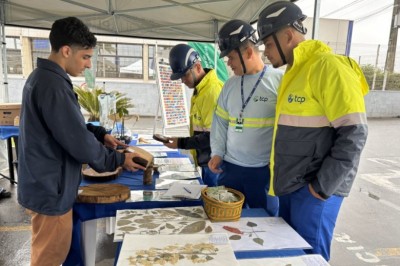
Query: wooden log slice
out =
(92, 175)
(103, 193)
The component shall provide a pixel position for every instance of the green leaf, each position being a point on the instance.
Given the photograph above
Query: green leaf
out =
(258, 241)
(188, 213)
(235, 237)
(193, 228)
(251, 224)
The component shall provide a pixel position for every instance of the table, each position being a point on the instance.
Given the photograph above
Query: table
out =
(85, 215)
(10, 133)
(249, 254)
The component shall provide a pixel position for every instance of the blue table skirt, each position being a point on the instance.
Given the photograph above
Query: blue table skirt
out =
(88, 211)
(248, 254)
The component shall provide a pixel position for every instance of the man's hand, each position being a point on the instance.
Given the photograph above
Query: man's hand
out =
(129, 164)
(112, 142)
(315, 194)
(214, 164)
(172, 144)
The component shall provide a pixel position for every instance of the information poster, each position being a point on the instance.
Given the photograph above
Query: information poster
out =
(173, 98)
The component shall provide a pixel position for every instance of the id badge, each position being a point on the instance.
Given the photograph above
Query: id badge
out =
(239, 125)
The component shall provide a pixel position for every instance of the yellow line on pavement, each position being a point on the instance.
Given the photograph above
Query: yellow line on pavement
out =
(15, 228)
(387, 252)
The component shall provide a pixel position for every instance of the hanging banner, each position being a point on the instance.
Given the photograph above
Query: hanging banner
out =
(206, 51)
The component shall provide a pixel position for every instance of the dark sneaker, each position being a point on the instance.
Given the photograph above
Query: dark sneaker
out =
(5, 194)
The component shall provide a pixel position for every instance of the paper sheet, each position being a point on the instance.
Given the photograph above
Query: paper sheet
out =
(178, 175)
(177, 250)
(167, 183)
(305, 260)
(188, 191)
(255, 233)
(173, 161)
(162, 221)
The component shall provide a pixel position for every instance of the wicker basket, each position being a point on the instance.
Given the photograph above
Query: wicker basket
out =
(219, 211)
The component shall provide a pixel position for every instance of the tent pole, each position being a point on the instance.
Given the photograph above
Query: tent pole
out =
(317, 7)
(215, 44)
(4, 89)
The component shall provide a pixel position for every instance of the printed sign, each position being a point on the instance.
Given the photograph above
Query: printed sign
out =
(173, 98)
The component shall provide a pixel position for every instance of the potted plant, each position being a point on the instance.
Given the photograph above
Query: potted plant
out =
(88, 100)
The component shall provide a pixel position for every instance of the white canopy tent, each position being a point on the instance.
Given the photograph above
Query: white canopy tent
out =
(195, 20)
(189, 20)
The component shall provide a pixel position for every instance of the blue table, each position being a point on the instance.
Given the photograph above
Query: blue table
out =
(85, 215)
(249, 254)
(10, 133)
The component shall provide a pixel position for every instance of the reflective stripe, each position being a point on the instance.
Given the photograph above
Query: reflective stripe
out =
(199, 128)
(303, 121)
(221, 113)
(254, 122)
(350, 119)
(322, 121)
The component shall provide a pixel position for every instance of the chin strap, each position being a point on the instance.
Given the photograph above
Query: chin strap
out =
(241, 60)
(195, 81)
(279, 49)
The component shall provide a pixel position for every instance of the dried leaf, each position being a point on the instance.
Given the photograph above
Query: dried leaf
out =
(127, 228)
(169, 226)
(123, 222)
(141, 221)
(251, 224)
(188, 213)
(149, 225)
(235, 237)
(129, 216)
(208, 229)
(232, 229)
(193, 228)
(258, 241)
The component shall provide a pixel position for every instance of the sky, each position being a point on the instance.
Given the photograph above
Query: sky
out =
(372, 18)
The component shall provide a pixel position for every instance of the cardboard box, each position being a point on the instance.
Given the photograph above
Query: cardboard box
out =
(8, 112)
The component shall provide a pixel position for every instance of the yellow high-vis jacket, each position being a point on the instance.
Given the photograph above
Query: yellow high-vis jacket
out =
(321, 126)
(203, 102)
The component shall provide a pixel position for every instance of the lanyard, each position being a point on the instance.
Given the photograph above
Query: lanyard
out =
(244, 103)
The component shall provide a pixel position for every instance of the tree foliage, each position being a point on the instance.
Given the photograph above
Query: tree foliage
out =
(392, 80)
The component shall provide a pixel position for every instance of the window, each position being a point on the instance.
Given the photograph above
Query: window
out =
(40, 48)
(14, 58)
(120, 60)
(162, 55)
(152, 65)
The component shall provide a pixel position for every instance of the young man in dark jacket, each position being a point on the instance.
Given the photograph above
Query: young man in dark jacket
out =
(55, 141)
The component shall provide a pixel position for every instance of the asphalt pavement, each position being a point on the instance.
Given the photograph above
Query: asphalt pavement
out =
(367, 230)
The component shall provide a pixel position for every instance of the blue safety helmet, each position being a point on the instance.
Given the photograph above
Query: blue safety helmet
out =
(233, 34)
(181, 58)
(278, 15)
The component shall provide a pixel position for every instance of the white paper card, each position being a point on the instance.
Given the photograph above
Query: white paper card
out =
(177, 250)
(256, 233)
(304, 260)
(174, 161)
(167, 183)
(188, 191)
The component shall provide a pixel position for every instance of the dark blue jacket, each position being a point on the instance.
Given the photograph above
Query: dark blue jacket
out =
(54, 142)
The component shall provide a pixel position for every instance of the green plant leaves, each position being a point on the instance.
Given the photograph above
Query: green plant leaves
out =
(88, 100)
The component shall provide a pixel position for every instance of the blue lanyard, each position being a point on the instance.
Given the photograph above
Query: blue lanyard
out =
(244, 103)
